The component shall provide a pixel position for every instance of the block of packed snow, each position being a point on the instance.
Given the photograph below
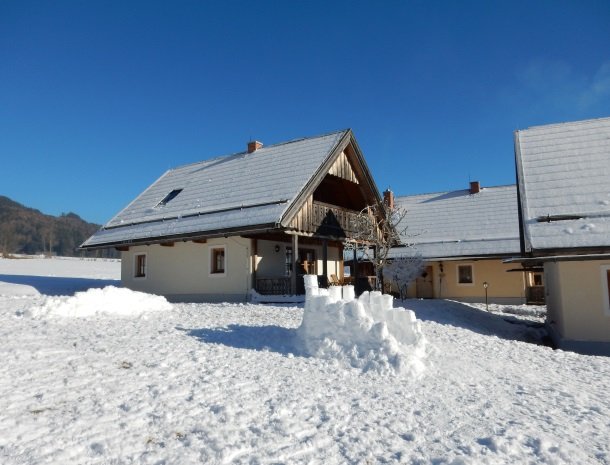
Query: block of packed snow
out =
(366, 333)
(348, 292)
(311, 280)
(335, 293)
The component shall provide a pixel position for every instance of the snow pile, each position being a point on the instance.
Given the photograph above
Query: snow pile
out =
(107, 301)
(366, 333)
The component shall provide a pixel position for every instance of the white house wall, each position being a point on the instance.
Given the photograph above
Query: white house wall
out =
(576, 304)
(504, 287)
(182, 272)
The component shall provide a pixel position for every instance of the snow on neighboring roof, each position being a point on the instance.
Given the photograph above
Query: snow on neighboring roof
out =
(564, 183)
(460, 224)
(233, 191)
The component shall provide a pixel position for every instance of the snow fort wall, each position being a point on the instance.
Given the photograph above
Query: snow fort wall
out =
(365, 332)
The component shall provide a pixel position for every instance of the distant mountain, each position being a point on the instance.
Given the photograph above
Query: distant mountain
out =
(25, 230)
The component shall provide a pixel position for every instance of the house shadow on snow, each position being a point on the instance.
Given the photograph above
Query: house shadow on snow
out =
(453, 313)
(55, 286)
(261, 338)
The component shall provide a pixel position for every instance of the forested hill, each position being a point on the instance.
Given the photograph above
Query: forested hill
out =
(25, 230)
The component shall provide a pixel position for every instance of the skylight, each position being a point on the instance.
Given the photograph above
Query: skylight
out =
(169, 197)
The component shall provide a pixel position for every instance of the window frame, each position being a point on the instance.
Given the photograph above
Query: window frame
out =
(457, 274)
(212, 258)
(136, 266)
(169, 197)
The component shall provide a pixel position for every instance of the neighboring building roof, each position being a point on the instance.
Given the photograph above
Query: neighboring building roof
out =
(461, 224)
(227, 193)
(564, 185)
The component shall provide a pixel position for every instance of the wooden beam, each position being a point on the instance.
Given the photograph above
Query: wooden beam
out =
(167, 244)
(295, 256)
(341, 263)
(122, 249)
(254, 248)
(200, 241)
(325, 261)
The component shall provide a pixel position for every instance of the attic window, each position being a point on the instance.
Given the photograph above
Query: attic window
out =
(169, 197)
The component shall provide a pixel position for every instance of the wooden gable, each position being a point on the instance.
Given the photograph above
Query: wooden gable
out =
(339, 191)
(342, 168)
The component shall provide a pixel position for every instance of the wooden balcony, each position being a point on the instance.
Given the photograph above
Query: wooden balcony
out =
(330, 220)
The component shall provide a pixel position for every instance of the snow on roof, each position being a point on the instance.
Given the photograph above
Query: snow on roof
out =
(564, 183)
(233, 191)
(460, 224)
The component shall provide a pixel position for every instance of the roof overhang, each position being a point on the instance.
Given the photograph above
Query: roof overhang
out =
(263, 228)
(558, 258)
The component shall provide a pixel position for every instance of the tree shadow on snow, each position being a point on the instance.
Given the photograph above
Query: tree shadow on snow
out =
(267, 338)
(55, 286)
(461, 315)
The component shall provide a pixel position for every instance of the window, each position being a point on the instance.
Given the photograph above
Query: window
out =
(307, 257)
(169, 197)
(465, 275)
(140, 266)
(288, 262)
(306, 262)
(537, 279)
(217, 260)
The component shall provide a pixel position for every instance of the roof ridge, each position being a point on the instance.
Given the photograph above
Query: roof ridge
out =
(456, 190)
(565, 123)
(244, 152)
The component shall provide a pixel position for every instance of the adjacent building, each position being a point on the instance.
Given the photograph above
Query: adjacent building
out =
(464, 236)
(563, 173)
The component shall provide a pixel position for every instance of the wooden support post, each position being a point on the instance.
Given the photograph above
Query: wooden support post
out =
(295, 256)
(325, 263)
(254, 247)
(341, 266)
(355, 270)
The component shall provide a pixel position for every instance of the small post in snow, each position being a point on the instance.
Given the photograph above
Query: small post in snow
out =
(486, 285)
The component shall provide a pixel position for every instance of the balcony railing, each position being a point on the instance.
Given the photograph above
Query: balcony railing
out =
(273, 286)
(332, 220)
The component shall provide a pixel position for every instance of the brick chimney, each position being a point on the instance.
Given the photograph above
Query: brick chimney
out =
(475, 187)
(388, 198)
(254, 145)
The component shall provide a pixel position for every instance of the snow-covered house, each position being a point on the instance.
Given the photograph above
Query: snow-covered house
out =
(563, 173)
(463, 237)
(256, 220)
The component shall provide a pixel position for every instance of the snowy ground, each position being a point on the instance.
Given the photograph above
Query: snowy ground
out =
(225, 384)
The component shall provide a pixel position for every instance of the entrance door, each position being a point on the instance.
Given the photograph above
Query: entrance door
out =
(424, 285)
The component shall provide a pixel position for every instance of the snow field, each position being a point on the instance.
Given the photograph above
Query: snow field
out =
(225, 384)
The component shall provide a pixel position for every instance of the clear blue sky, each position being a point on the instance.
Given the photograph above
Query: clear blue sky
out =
(99, 98)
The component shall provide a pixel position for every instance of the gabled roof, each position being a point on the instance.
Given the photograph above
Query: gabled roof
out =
(564, 185)
(235, 193)
(461, 224)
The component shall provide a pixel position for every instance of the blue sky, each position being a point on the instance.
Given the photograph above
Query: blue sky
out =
(99, 98)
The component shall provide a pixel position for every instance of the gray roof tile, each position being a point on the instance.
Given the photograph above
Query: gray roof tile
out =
(564, 170)
(239, 190)
(460, 224)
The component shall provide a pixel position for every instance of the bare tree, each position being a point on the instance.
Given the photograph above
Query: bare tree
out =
(378, 228)
(402, 271)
